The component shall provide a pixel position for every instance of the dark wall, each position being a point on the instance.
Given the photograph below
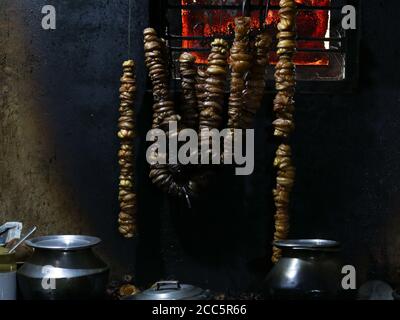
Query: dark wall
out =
(347, 145)
(58, 167)
(59, 107)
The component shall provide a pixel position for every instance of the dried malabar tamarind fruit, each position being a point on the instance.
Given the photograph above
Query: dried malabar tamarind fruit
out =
(216, 75)
(156, 62)
(189, 108)
(255, 81)
(163, 107)
(200, 86)
(126, 133)
(240, 63)
(284, 185)
(285, 82)
(167, 177)
(211, 108)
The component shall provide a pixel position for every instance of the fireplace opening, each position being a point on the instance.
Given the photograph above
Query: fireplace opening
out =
(327, 54)
(312, 26)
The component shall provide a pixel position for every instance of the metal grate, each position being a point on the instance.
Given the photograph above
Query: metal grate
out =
(340, 46)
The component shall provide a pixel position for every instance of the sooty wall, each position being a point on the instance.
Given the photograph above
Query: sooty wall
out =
(58, 164)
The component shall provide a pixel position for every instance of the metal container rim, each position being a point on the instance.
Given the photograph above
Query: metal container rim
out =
(307, 244)
(63, 242)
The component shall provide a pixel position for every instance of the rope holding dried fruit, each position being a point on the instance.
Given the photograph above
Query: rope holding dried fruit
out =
(126, 134)
(285, 82)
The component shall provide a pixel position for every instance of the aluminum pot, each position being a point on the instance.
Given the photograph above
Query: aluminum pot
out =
(171, 290)
(8, 279)
(63, 267)
(308, 269)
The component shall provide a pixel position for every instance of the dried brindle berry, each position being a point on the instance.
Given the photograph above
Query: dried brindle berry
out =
(284, 106)
(126, 133)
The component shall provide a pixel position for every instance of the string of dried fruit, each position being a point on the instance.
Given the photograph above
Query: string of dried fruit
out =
(255, 84)
(163, 108)
(240, 62)
(211, 88)
(188, 71)
(168, 177)
(155, 59)
(285, 79)
(126, 133)
(217, 70)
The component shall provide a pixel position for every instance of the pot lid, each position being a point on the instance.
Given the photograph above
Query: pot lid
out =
(307, 244)
(63, 242)
(171, 290)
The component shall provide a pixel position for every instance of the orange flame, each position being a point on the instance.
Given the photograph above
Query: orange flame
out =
(310, 24)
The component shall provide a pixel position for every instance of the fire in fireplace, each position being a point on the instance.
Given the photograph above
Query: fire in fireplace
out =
(312, 25)
(326, 56)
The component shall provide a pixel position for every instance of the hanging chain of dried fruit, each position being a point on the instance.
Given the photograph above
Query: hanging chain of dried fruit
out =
(163, 108)
(216, 76)
(156, 62)
(248, 63)
(285, 79)
(211, 109)
(204, 93)
(255, 81)
(188, 71)
(167, 177)
(240, 63)
(126, 134)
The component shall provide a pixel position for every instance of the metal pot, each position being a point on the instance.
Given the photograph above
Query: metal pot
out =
(63, 267)
(8, 279)
(171, 290)
(308, 269)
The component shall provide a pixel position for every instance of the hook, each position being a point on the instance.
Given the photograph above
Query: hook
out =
(187, 197)
(246, 8)
(265, 13)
